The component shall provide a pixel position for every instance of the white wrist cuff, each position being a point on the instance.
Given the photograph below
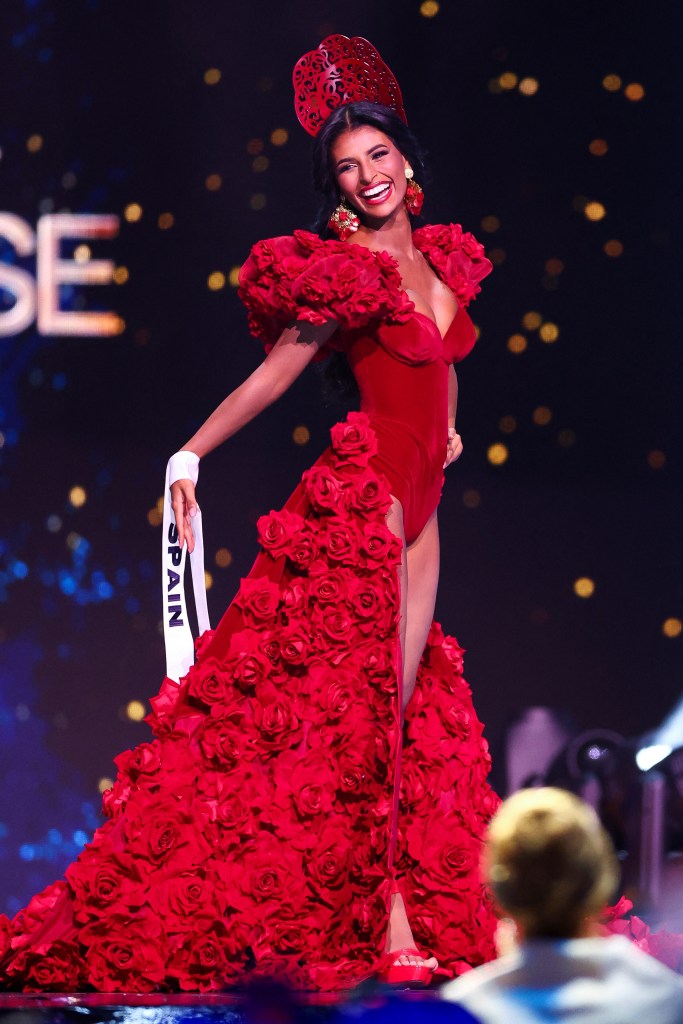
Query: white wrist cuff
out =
(183, 465)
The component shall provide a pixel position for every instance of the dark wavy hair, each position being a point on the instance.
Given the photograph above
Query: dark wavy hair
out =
(337, 372)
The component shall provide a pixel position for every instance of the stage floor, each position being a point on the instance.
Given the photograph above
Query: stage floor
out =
(269, 1005)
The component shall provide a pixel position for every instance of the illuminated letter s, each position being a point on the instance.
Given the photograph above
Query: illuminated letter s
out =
(15, 280)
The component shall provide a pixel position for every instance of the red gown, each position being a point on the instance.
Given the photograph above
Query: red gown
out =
(261, 829)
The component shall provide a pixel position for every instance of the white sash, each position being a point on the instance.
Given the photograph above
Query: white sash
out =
(178, 638)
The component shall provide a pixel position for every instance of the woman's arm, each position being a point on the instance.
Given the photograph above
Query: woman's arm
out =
(292, 352)
(454, 446)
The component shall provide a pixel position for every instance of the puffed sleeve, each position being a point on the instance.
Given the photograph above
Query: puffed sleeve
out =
(303, 277)
(457, 256)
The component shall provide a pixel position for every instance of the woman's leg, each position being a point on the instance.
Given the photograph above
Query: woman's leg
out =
(417, 608)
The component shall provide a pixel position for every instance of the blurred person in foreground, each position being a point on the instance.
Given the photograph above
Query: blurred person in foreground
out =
(552, 869)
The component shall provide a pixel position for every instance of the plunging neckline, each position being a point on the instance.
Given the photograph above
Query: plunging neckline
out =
(404, 291)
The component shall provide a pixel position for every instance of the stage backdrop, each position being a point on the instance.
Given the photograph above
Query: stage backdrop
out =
(144, 147)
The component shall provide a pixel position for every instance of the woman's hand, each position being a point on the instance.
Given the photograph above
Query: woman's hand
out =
(454, 447)
(184, 504)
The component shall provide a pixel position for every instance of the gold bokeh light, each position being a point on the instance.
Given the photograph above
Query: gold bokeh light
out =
(548, 332)
(223, 558)
(133, 212)
(584, 586)
(516, 343)
(429, 8)
(672, 628)
(528, 86)
(634, 92)
(135, 710)
(497, 453)
(542, 416)
(612, 83)
(212, 76)
(78, 496)
(598, 147)
(216, 281)
(594, 210)
(301, 434)
(613, 247)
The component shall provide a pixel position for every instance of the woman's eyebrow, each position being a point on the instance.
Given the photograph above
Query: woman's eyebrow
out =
(378, 145)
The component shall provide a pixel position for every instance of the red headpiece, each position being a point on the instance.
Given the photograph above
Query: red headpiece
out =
(341, 71)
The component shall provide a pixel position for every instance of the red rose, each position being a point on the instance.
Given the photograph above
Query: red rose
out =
(354, 441)
(447, 855)
(177, 899)
(208, 683)
(103, 880)
(279, 725)
(295, 644)
(302, 549)
(228, 740)
(48, 914)
(210, 956)
(267, 875)
(336, 622)
(165, 829)
(258, 599)
(144, 760)
(277, 530)
(340, 541)
(307, 785)
(126, 955)
(370, 494)
(295, 599)
(327, 863)
(163, 706)
(325, 490)
(373, 606)
(202, 642)
(233, 802)
(53, 967)
(380, 546)
(335, 689)
(245, 663)
(327, 586)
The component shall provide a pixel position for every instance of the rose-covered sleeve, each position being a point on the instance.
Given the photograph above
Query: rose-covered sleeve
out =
(457, 256)
(301, 277)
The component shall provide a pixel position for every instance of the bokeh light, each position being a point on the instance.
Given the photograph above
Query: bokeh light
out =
(531, 320)
(301, 435)
(594, 210)
(566, 438)
(234, 276)
(216, 281)
(612, 83)
(549, 332)
(490, 223)
(598, 147)
(429, 8)
(584, 586)
(120, 275)
(135, 710)
(471, 498)
(279, 136)
(212, 76)
(257, 201)
(208, 579)
(254, 147)
(260, 164)
(634, 92)
(133, 212)
(613, 247)
(529, 86)
(508, 80)
(497, 453)
(223, 558)
(78, 496)
(542, 416)
(507, 424)
(166, 221)
(516, 343)
(34, 143)
(672, 628)
(213, 182)
(656, 459)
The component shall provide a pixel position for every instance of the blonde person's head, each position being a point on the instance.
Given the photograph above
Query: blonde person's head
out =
(549, 862)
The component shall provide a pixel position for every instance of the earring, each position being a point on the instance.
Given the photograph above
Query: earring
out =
(414, 197)
(344, 221)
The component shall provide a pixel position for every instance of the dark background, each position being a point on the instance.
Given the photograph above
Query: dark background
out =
(116, 91)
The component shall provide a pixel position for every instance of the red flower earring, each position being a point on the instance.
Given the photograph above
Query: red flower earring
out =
(344, 221)
(414, 197)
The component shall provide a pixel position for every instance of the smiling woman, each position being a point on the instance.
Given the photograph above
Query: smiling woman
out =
(314, 799)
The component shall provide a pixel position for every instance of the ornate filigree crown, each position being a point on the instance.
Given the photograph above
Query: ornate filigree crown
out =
(340, 71)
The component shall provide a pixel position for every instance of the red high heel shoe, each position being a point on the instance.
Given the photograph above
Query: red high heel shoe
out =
(403, 975)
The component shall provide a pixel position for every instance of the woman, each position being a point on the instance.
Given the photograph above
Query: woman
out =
(263, 829)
